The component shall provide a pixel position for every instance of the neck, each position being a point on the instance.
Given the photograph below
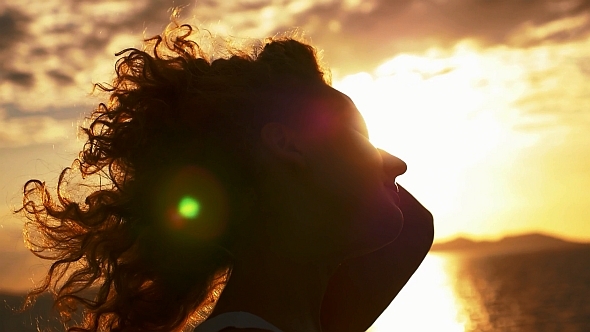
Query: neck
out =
(285, 292)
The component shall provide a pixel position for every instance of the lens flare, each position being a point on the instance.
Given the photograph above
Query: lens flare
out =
(189, 207)
(193, 204)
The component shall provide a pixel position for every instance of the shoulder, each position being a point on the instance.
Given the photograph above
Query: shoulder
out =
(236, 321)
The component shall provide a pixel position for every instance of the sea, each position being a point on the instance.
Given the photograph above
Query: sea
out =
(518, 292)
(525, 292)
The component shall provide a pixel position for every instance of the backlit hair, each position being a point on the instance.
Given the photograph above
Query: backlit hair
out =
(178, 118)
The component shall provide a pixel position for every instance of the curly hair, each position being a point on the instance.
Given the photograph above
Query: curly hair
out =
(178, 120)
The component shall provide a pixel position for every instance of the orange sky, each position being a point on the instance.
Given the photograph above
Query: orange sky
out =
(495, 138)
(487, 101)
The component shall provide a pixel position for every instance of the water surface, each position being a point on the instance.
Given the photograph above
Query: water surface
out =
(529, 292)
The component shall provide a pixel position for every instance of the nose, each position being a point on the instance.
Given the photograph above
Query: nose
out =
(392, 165)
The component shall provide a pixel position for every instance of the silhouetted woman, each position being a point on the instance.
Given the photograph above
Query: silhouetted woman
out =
(238, 172)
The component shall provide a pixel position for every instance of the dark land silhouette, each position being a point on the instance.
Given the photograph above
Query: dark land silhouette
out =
(40, 317)
(525, 243)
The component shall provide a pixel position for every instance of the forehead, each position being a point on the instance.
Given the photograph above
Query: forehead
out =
(353, 116)
(335, 108)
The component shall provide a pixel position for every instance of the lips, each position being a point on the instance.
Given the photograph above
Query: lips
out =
(393, 190)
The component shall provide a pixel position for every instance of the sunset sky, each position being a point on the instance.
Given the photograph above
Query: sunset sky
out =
(487, 101)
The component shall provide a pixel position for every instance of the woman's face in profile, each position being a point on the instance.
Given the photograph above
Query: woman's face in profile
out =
(354, 182)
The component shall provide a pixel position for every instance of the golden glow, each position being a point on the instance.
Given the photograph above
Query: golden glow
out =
(477, 128)
(427, 302)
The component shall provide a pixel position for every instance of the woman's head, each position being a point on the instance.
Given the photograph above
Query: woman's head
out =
(323, 176)
(201, 153)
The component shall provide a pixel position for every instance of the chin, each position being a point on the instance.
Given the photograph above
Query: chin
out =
(391, 225)
(380, 229)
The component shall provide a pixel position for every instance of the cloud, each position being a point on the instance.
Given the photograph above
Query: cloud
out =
(52, 52)
(13, 25)
(362, 39)
(34, 129)
(48, 51)
(19, 78)
(13, 28)
(59, 77)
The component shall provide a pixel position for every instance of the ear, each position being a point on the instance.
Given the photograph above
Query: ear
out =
(281, 141)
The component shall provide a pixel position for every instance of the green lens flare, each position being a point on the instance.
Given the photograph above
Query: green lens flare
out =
(189, 207)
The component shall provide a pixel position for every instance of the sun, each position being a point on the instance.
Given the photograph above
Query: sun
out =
(444, 114)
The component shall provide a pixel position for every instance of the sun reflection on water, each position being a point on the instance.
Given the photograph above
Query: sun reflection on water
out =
(428, 301)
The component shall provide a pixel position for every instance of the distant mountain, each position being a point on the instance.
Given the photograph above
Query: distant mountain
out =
(510, 244)
(38, 318)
